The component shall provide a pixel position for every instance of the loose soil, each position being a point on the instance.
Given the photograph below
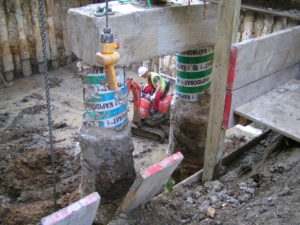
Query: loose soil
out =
(262, 187)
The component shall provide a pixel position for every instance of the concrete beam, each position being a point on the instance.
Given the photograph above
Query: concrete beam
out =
(143, 33)
(81, 212)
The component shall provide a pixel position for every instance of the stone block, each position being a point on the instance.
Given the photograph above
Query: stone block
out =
(107, 166)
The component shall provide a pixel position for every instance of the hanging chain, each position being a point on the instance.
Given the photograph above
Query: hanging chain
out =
(43, 34)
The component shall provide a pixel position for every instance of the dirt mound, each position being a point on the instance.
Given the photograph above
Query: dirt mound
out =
(27, 184)
(26, 191)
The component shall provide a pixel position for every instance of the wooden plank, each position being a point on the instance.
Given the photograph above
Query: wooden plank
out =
(255, 89)
(278, 109)
(228, 20)
(81, 212)
(263, 56)
(269, 11)
(149, 182)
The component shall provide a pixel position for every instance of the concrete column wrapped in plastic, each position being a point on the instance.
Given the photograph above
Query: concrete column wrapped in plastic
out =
(193, 73)
(103, 108)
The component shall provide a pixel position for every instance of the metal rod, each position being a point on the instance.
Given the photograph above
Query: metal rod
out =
(44, 46)
(106, 12)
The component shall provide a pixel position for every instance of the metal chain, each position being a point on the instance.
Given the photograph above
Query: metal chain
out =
(43, 34)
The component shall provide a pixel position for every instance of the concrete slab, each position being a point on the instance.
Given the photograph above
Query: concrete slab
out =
(278, 109)
(81, 212)
(149, 182)
(143, 33)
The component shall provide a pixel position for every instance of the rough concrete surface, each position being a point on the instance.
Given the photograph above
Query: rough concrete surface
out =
(143, 33)
(107, 166)
(188, 125)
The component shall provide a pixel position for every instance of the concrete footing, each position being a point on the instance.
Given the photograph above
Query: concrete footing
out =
(107, 166)
(188, 132)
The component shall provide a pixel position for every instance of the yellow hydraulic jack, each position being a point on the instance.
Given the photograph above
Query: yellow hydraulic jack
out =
(108, 56)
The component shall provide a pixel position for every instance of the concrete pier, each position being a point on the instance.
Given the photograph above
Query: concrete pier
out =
(190, 107)
(107, 166)
(188, 126)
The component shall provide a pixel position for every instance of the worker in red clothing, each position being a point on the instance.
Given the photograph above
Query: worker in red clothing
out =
(158, 86)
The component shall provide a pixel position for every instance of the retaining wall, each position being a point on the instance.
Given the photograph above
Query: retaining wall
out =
(20, 41)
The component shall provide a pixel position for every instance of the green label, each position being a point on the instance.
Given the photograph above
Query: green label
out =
(86, 79)
(192, 90)
(194, 60)
(194, 75)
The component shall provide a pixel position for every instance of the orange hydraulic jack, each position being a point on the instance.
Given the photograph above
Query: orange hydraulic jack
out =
(108, 56)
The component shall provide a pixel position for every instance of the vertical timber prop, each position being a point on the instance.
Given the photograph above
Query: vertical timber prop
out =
(7, 59)
(23, 44)
(228, 19)
(189, 108)
(37, 31)
(51, 33)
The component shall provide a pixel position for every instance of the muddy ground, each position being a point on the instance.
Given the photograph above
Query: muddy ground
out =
(26, 193)
(250, 193)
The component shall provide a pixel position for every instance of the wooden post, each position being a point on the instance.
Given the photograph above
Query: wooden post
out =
(37, 34)
(23, 44)
(51, 32)
(228, 19)
(8, 64)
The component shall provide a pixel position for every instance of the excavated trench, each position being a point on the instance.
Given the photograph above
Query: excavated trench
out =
(25, 171)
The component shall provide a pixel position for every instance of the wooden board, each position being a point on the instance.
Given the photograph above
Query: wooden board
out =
(260, 57)
(256, 89)
(149, 182)
(278, 109)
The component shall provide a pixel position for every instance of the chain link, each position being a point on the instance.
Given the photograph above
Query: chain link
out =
(43, 34)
